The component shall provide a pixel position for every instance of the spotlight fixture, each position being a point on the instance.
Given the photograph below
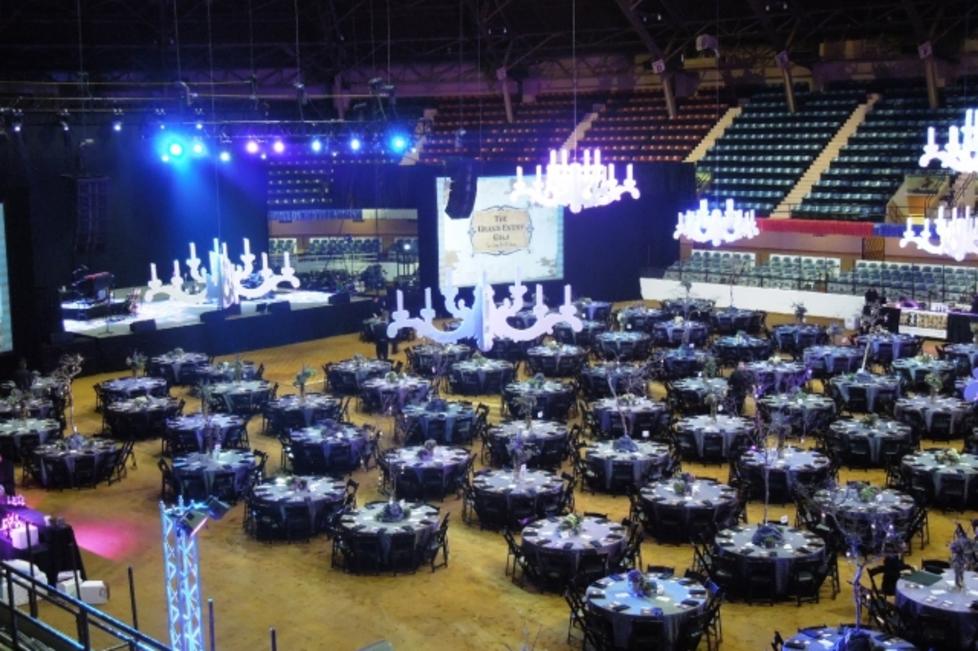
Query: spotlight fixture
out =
(64, 125)
(355, 144)
(225, 156)
(397, 142)
(251, 146)
(17, 120)
(175, 149)
(278, 146)
(264, 156)
(199, 125)
(316, 145)
(198, 148)
(117, 125)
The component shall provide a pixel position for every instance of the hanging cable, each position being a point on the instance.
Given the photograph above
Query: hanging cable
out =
(574, 73)
(176, 40)
(299, 82)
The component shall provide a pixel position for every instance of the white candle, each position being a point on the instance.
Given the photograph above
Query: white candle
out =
(539, 294)
(400, 301)
(264, 260)
(427, 298)
(247, 246)
(216, 247)
(286, 263)
(152, 270)
(224, 249)
(193, 250)
(567, 298)
(176, 267)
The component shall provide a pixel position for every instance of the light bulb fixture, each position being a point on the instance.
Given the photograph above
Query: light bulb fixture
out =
(577, 184)
(954, 236)
(715, 226)
(960, 154)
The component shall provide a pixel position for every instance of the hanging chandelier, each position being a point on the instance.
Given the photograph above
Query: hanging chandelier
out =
(960, 154)
(952, 236)
(715, 226)
(575, 184)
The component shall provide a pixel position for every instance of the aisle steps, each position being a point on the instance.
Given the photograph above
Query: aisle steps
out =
(713, 135)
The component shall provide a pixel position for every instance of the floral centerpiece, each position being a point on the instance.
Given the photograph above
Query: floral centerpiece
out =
(682, 484)
(640, 585)
(428, 449)
(871, 420)
(627, 399)
(69, 366)
(800, 311)
(947, 456)
(393, 511)
(625, 443)
(572, 522)
(934, 384)
(712, 400)
(391, 376)
(177, 352)
(709, 366)
(136, 362)
(868, 494)
(237, 369)
(297, 483)
(301, 378)
(520, 451)
(767, 536)
(205, 392)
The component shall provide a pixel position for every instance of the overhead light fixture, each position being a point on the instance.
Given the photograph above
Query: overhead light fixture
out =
(278, 146)
(575, 184)
(316, 145)
(715, 226)
(960, 154)
(955, 236)
(251, 146)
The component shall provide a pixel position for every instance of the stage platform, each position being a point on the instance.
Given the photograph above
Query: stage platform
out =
(105, 343)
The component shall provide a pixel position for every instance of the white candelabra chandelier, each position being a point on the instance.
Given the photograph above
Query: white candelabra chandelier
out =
(954, 236)
(715, 226)
(575, 184)
(484, 321)
(223, 280)
(960, 154)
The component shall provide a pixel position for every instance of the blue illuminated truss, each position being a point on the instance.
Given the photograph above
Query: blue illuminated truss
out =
(181, 574)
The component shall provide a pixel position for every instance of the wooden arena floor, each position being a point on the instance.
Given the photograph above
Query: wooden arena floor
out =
(469, 605)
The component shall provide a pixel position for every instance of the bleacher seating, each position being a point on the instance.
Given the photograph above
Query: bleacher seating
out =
(343, 246)
(781, 271)
(280, 245)
(404, 249)
(705, 265)
(885, 148)
(915, 281)
(765, 150)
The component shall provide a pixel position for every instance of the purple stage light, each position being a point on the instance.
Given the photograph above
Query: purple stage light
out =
(278, 146)
(251, 147)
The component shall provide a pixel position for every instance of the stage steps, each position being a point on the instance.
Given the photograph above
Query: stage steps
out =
(700, 150)
(823, 160)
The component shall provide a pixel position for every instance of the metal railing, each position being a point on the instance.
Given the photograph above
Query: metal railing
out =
(27, 627)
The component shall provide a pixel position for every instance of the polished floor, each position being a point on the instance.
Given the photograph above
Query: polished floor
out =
(290, 587)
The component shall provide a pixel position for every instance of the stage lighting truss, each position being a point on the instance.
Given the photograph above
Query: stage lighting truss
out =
(715, 226)
(960, 154)
(484, 321)
(955, 236)
(223, 280)
(577, 184)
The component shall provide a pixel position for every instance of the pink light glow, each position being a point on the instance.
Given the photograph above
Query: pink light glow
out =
(114, 539)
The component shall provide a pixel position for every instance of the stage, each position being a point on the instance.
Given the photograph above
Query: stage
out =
(287, 317)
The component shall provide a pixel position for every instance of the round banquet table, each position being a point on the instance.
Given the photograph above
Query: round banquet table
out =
(367, 523)
(532, 493)
(552, 398)
(690, 308)
(900, 345)
(199, 433)
(429, 360)
(915, 369)
(683, 361)
(593, 310)
(550, 536)
(414, 463)
(196, 473)
(13, 431)
(856, 516)
(225, 372)
(796, 337)
(34, 407)
(731, 434)
(447, 423)
(673, 333)
(292, 411)
(643, 416)
(941, 417)
(391, 395)
(826, 361)
(692, 392)
(944, 601)
(589, 330)
(328, 447)
(242, 396)
(731, 349)
(675, 601)
(928, 470)
(797, 545)
(637, 461)
(140, 417)
(58, 461)
(880, 390)
(622, 345)
(177, 367)
(598, 379)
(964, 356)
(800, 468)
(42, 386)
(124, 388)
(346, 377)
(827, 637)
(544, 438)
(730, 320)
(559, 360)
(880, 434)
(777, 377)
(481, 376)
(805, 412)
(315, 498)
(704, 501)
(640, 318)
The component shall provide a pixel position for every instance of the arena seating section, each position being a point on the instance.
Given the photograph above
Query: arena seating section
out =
(916, 281)
(766, 149)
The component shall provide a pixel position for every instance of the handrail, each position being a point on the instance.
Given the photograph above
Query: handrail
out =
(86, 617)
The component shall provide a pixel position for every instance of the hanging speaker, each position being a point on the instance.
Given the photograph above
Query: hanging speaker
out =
(461, 194)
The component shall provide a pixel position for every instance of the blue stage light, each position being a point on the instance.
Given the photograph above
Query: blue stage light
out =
(225, 156)
(397, 142)
(278, 146)
(251, 147)
(165, 158)
(199, 125)
(175, 149)
(355, 144)
(316, 145)
(117, 125)
(198, 148)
